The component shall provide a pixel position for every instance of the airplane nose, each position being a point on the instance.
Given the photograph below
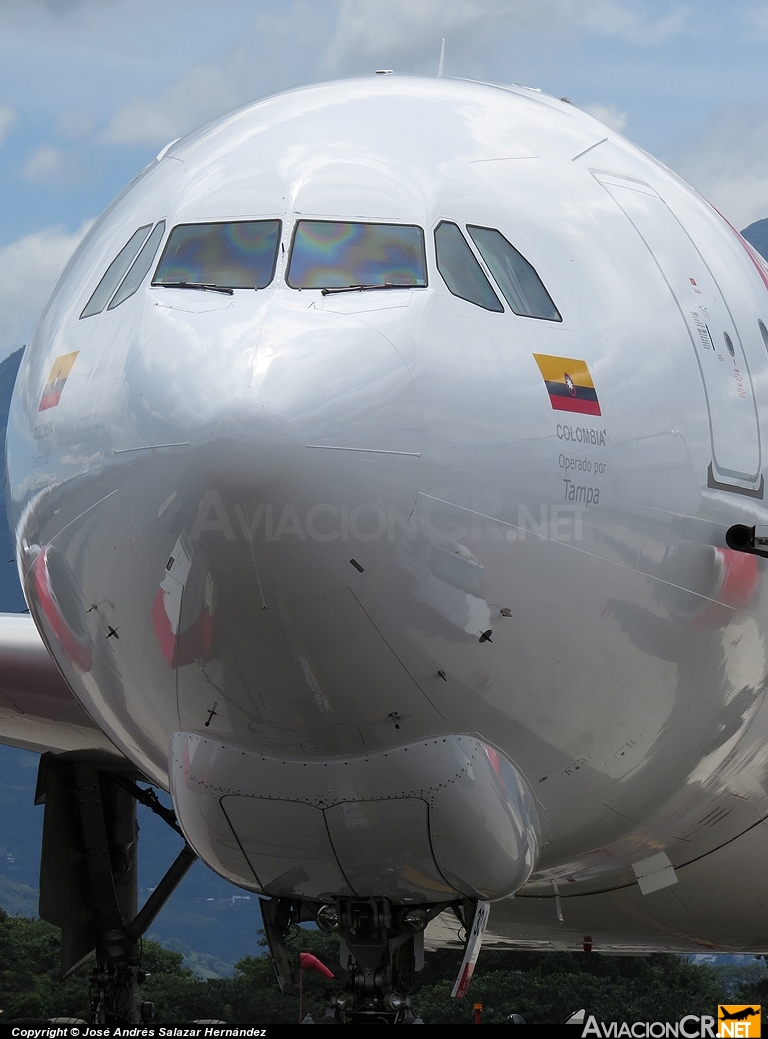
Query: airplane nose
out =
(345, 440)
(299, 471)
(306, 438)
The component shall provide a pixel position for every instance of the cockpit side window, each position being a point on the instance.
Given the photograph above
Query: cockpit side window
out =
(522, 287)
(331, 254)
(763, 332)
(234, 255)
(460, 270)
(140, 268)
(115, 273)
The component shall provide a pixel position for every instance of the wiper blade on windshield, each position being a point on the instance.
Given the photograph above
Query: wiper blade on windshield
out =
(366, 288)
(195, 285)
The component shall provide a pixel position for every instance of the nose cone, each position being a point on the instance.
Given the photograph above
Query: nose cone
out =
(305, 435)
(343, 438)
(301, 472)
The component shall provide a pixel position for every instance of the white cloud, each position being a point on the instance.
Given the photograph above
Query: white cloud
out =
(406, 30)
(45, 164)
(7, 119)
(608, 114)
(54, 166)
(197, 95)
(75, 124)
(628, 21)
(13, 13)
(310, 41)
(756, 19)
(726, 162)
(29, 268)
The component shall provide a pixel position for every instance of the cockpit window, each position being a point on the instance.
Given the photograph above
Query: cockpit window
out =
(140, 268)
(330, 254)
(460, 270)
(521, 285)
(237, 255)
(763, 332)
(115, 273)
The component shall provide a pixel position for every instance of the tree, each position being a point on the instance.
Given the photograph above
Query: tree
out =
(543, 987)
(30, 985)
(29, 972)
(548, 987)
(754, 992)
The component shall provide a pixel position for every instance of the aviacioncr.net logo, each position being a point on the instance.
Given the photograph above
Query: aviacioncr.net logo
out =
(689, 1027)
(734, 1021)
(738, 1020)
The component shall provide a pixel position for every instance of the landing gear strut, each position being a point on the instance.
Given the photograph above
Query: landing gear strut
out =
(88, 876)
(381, 949)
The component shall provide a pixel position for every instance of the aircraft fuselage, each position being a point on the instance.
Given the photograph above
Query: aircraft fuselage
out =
(400, 593)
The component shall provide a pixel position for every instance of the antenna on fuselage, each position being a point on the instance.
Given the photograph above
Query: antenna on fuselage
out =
(441, 66)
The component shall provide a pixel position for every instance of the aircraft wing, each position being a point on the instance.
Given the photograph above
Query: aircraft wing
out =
(38, 711)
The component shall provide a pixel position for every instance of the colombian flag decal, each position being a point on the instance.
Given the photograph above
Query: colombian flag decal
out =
(569, 384)
(57, 380)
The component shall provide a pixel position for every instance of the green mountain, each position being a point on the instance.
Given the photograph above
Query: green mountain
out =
(757, 234)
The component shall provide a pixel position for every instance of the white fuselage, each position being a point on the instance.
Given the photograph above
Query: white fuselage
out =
(188, 511)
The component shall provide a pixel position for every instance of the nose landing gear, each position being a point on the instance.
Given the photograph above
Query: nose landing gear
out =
(381, 949)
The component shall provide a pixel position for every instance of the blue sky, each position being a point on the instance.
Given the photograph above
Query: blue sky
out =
(90, 90)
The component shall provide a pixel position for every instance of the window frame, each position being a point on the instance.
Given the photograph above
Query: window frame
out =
(763, 332)
(112, 305)
(530, 317)
(150, 228)
(461, 227)
(240, 220)
(345, 220)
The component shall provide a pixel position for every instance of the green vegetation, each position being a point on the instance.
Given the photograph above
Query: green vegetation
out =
(755, 989)
(29, 960)
(30, 985)
(543, 987)
(547, 987)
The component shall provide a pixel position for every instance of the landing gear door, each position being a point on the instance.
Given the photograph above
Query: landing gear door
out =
(715, 339)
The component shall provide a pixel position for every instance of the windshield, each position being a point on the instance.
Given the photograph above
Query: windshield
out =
(335, 254)
(237, 255)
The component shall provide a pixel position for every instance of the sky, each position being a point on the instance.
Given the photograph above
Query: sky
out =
(91, 90)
